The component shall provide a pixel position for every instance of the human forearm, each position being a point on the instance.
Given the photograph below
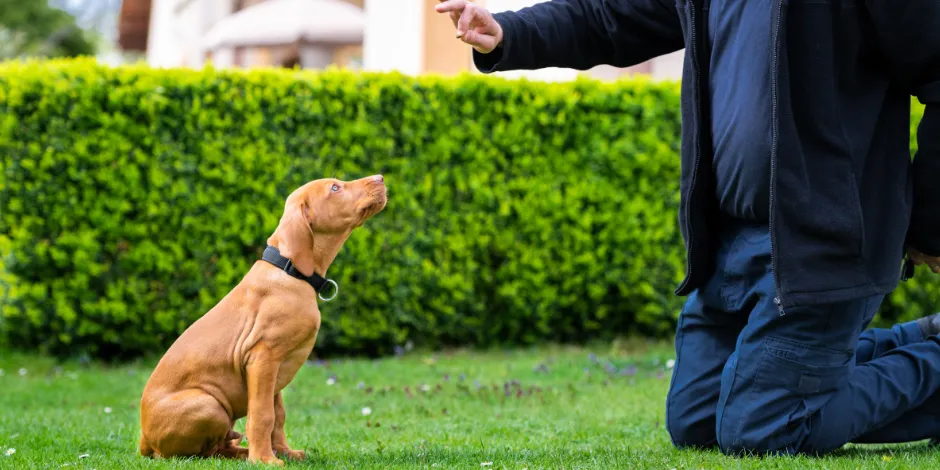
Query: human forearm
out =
(581, 34)
(908, 36)
(924, 231)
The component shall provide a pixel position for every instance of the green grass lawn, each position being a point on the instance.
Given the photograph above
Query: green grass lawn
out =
(600, 407)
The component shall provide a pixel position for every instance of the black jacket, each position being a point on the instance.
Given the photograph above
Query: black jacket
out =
(845, 195)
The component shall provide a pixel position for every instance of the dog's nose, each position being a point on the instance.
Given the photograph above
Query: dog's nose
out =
(379, 178)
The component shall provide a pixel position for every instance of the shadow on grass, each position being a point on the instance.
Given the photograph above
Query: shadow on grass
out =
(920, 448)
(852, 456)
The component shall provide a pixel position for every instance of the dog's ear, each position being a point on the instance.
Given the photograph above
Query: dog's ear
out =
(293, 235)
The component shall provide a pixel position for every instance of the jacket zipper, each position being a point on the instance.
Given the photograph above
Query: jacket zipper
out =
(698, 147)
(775, 118)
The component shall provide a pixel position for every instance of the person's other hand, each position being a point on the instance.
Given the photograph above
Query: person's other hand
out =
(475, 25)
(933, 262)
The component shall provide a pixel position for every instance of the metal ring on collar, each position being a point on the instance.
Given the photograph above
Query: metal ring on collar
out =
(335, 291)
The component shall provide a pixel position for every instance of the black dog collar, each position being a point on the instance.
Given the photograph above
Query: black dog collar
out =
(273, 256)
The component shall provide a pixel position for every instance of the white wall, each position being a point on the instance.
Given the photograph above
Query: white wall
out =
(210, 12)
(164, 47)
(189, 22)
(223, 58)
(394, 31)
(177, 28)
(316, 57)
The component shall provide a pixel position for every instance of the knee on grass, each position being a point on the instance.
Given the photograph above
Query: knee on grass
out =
(687, 434)
(779, 435)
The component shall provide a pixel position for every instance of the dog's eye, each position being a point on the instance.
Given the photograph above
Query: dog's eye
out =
(334, 188)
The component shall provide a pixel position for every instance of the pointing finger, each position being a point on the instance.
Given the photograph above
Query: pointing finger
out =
(450, 6)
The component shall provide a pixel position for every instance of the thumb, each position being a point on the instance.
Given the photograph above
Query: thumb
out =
(481, 42)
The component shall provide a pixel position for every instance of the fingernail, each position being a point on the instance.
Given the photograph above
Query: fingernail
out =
(459, 34)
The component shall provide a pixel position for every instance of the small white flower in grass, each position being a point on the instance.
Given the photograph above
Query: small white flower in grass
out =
(486, 464)
(23, 371)
(670, 363)
(107, 409)
(366, 411)
(330, 381)
(11, 451)
(83, 456)
(425, 388)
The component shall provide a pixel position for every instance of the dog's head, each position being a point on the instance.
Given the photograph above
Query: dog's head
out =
(323, 212)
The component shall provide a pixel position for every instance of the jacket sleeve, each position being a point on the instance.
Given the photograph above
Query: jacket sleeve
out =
(924, 231)
(581, 34)
(909, 34)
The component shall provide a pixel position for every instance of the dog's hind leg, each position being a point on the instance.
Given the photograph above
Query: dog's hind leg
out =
(230, 448)
(145, 449)
(190, 423)
(229, 451)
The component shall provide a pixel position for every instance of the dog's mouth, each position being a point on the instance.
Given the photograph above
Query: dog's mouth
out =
(377, 199)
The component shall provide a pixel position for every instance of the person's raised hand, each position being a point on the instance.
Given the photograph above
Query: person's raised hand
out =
(919, 258)
(475, 25)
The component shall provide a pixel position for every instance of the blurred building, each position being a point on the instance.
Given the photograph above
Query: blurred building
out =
(382, 35)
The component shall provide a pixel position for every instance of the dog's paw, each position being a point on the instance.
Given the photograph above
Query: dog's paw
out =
(286, 452)
(272, 460)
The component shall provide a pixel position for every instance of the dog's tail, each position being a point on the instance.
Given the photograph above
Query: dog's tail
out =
(145, 449)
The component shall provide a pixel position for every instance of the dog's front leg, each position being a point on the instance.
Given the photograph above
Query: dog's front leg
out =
(262, 378)
(278, 438)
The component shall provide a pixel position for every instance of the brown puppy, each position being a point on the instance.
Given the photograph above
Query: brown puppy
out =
(236, 359)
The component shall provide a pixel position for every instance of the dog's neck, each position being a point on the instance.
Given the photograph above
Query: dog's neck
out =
(318, 258)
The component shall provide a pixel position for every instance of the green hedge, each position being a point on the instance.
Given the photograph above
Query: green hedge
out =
(519, 212)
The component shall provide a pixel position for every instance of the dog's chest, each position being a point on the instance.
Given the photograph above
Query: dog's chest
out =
(293, 362)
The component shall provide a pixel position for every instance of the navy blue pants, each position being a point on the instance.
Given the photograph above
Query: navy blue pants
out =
(749, 378)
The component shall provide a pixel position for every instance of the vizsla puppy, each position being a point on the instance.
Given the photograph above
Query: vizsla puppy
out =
(236, 359)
